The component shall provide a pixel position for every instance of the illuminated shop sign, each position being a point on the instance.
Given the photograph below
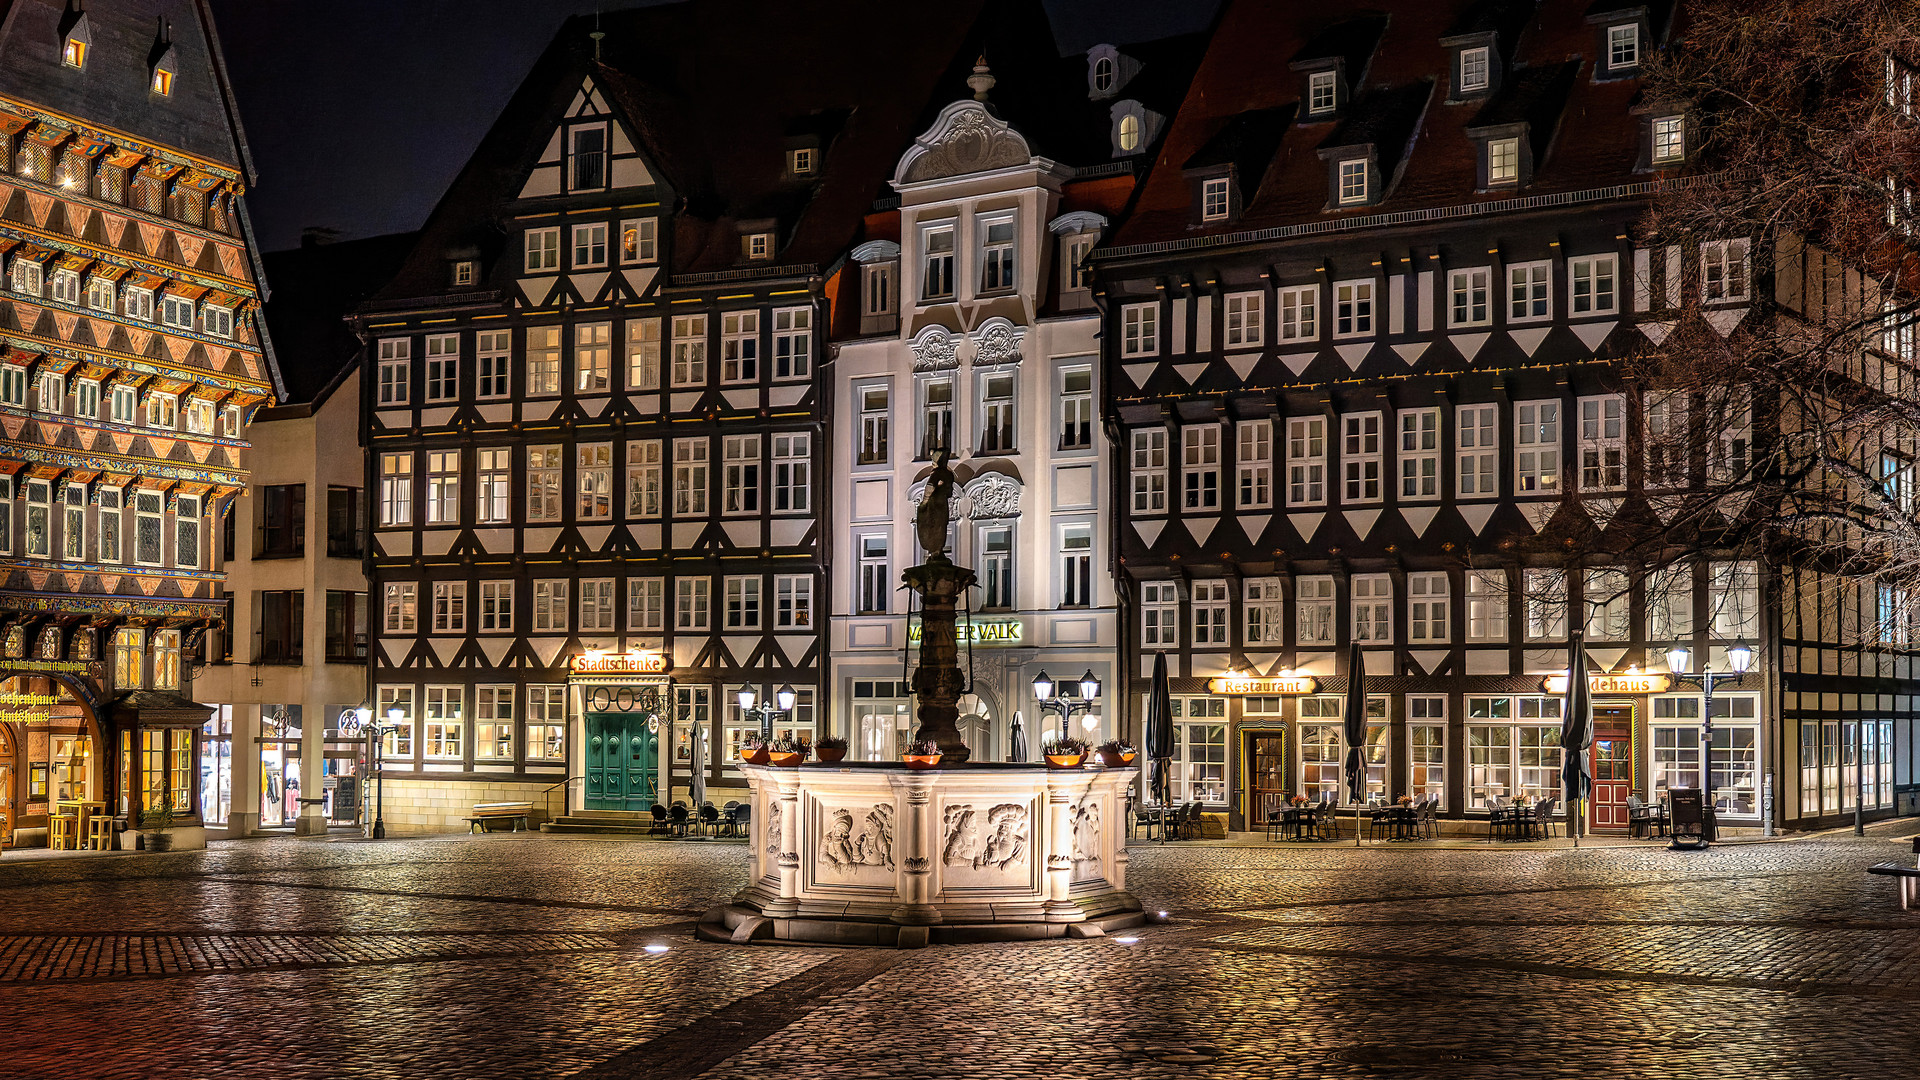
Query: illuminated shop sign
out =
(629, 664)
(980, 632)
(1286, 684)
(1613, 684)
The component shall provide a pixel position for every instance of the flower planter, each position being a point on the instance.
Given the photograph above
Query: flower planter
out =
(1110, 760)
(160, 840)
(922, 761)
(1127, 759)
(1064, 761)
(784, 760)
(830, 753)
(757, 756)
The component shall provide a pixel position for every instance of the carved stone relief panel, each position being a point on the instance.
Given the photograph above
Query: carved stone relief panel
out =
(986, 844)
(856, 845)
(1089, 841)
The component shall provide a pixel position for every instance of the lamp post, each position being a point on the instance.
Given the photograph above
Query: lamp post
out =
(362, 720)
(1062, 705)
(1741, 657)
(782, 703)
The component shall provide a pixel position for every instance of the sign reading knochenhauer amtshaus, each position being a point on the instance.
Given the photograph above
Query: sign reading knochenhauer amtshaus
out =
(1613, 684)
(1261, 687)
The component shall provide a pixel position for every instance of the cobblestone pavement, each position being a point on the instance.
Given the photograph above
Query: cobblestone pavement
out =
(528, 957)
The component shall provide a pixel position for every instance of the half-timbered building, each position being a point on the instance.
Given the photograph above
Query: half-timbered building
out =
(130, 361)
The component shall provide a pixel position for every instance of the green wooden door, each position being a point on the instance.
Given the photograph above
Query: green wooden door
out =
(622, 762)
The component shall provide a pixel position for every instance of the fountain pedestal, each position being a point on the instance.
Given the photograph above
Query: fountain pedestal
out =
(937, 682)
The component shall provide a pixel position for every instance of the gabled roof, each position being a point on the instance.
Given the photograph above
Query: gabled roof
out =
(1239, 75)
(314, 288)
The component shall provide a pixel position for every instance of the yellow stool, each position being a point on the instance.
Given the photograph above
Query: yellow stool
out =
(63, 832)
(99, 832)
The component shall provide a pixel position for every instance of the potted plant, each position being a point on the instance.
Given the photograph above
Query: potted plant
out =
(786, 753)
(753, 751)
(1114, 754)
(923, 754)
(1298, 800)
(1066, 753)
(831, 748)
(159, 818)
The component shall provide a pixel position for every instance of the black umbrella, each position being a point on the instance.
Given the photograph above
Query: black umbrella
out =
(1354, 718)
(1160, 737)
(1016, 740)
(1576, 734)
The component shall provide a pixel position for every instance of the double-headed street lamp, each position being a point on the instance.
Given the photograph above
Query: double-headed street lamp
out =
(358, 720)
(765, 712)
(1741, 657)
(1062, 704)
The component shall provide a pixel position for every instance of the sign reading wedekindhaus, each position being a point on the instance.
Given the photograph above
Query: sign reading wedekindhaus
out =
(619, 665)
(1263, 687)
(1613, 684)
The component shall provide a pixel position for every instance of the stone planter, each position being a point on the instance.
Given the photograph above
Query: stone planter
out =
(783, 760)
(758, 756)
(830, 754)
(1110, 760)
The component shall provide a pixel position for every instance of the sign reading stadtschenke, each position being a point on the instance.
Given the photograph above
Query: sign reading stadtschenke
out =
(626, 663)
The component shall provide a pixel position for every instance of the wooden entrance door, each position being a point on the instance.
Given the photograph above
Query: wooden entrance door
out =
(1611, 764)
(6, 788)
(622, 762)
(1267, 787)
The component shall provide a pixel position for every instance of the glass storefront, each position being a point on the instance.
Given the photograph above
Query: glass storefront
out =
(216, 766)
(279, 765)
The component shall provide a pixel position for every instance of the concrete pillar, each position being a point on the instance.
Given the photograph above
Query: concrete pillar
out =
(313, 725)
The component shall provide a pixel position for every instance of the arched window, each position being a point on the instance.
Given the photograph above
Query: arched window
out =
(1130, 132)
(1103, 74)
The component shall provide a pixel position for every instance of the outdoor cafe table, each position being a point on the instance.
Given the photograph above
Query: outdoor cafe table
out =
(1400, 821)
(81, 810)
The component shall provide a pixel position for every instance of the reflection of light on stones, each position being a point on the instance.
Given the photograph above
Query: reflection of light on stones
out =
(1127, 940)
(657, 948)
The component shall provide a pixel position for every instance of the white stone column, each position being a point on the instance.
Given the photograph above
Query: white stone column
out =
(1061, 787)
(784, 841)
(313, 725)
(243, 815)
(917, 844)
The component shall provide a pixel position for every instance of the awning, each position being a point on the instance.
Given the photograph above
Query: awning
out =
(59, 365)
(8, 468)
(185, 291)
(121, 158)
(13, 125)
(116, 480)
(48, 135)
(47, 472)
(71, 261)
(110, 272)
(99, 372)
(140, 279)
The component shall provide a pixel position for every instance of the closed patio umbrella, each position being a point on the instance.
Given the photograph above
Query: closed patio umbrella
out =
(1353, 719)
(697, 784)
(1160, 737)
(1016, 740)
(1576, 734)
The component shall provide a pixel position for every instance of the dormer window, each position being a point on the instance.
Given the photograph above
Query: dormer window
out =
(28, 277)
(1475, 70)
(161, 80)
(1353, 186)
(1669, 140)
(800, 161)
(1129, 133)
(74, 54)
(1503, 162)
(1216, 197)
(759, 245)
(217, 321)
(463, 272)
(1323, 92)
(1623, 46)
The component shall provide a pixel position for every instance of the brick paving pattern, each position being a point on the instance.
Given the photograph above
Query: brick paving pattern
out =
(526, 957)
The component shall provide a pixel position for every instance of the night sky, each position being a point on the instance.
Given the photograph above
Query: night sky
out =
(360, 112)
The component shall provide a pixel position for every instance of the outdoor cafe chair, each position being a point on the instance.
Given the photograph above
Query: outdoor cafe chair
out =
(679, 815)
(1430, 818)
(1196, 828)
(709, 818)
(742, 817)
(1275, 821)
(1543, 819)
(1639, 818)
(729, 817)
(659, 820)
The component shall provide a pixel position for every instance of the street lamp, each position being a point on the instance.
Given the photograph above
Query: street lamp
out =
(1063, 705)
(1741, 658)
(782, 702)
(362, 720)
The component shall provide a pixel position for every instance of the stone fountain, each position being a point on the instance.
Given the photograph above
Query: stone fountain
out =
(876, 853)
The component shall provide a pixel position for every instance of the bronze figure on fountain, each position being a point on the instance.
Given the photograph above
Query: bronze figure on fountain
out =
(937, 682)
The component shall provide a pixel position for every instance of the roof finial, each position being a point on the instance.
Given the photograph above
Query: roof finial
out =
(981, 80)
(598, 34)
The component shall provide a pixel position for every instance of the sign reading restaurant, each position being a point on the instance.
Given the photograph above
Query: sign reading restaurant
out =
(619, 664)
(1613, 684)
(1262, 687)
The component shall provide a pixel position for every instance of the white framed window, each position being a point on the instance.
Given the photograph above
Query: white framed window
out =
(1200, 466)
(996, 568)
(1210, 613)
(1427, 747)
(1428, 613)
(544, 466)
(1670, 603)
(590, 245)
(1730, 453)
(1245, 324)
(1199, 766)
(1529, 291)
(40, 522)
(1215, 198)
(100, 293)
(936, 264)
(163, 411)
(86, 400)
(543, 250)
(639, 240)
(53, 392)
(396, 489)
(1669, 139)
(1306, 461)
(443, 367)
(13, 386)
(1299, 313)
(1477, 441)
(66, 287)
(73, 526)
(443, 487)
(1265, 605)
(396, 370)
(493, 723)
(449, 607)
(740, 474)
(1103, 74)
(1253, 461)
(1608, 603)
(996, 253)
(1475, 69)
(1149, 470)
(463, 271)
(1076, 408)
(1591, 286)
(1159, 615)
(1546, 596)
(758, 245)
(1373, 608)
(877, 294)
(1623, 46)
(1486, 605)
(1513, 748)
(1536, 442)
(109, 519)
(692, 598)
(444, 730)
(1353, 309)
(550, 605)
(644, 478)
(646, 605)
(398, 743)
(1360, 452)
(1316, 621)
(690, 476)
(493, 353)
(1723, 270)
(217, 320)
(543, 361)
(792, 472)
(996, 414)
(402, 607)
(1665, 439)
(689, 350)
(496, 607)
(596, 604)
(139, 304)
(592, 357)
(1733, 599)
(792, 343)
(1470, 290)
(875, 585)
(739, 346)
(587, 157)
(1076, 565)
(1503, 162)
(232, 420)
(874, 424)
(643, 354)
(593, 480)
(1140, 329)
(1322, 92)
(1603, 443)
(29, 277)
(800, 161)
(792, 601)
(1419, 454)
(547, 723)
(1353, 182)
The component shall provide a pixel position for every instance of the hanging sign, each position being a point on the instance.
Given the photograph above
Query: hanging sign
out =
(1656, 683)
(627, 664)
(1263, 687)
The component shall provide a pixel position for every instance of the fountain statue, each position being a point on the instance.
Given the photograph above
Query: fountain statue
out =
(940, 584)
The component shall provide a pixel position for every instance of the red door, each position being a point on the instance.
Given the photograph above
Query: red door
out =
(1612, 780)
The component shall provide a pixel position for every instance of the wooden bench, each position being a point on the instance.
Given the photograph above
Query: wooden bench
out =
(1908, 876)
(486, 815)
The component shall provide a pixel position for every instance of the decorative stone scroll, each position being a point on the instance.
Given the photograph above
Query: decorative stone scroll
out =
(935, 349)
(994, 495)
(965, 139)
(997, 342)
